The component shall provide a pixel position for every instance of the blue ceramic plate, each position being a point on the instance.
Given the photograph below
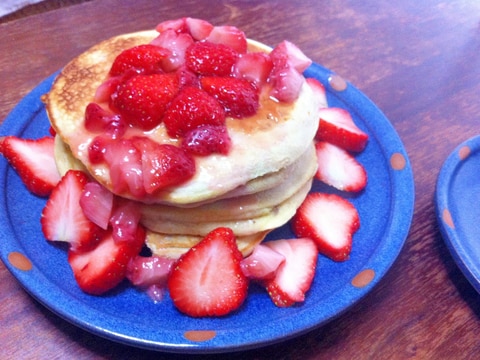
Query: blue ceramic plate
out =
(128, 316)
(458, 207)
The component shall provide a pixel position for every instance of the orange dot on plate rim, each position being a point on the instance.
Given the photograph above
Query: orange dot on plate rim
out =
(200, 335)
(337, 82)
(363, 278)
(19, 261)
(397, 161)
(464, 152)
(447, 218)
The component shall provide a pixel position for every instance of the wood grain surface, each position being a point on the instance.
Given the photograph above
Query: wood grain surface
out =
(419, 61)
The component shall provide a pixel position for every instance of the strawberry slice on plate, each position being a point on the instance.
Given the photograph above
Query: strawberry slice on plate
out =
(63, 218)
(338, 168)
(208, 279)
(34, 162)
(295, 275)
(336, 126)
(330, 221)
(105, 266)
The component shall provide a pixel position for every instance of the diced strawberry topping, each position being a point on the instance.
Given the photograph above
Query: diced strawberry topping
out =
(104, 267)
(34, 162)
(125, 163)
(177, 25)
(208, 279)
(107, 88)
(255, 67)
(145, 59)
(239, 97)
(191, 108)
(62, 217)
(142, 99)
(330, 221)
(96, 202)
(124, 221)
(288, 54)
(176, 44)
(163, 165)
(295, 275)
(99, 119)
(230, 36)
(187, 77)
(209, 59)
(262, 264)
(144, 272)
(337, 127)
(198, 28)
(97, 149)
(337, 168)
(207, 139)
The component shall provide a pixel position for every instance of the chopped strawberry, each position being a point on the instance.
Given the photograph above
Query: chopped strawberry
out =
(337, 168)
(176, 43)
(208, 279)
(34, 162)
(288, 54)
(319, 90)
(177, 25)
(62, 217)
(96, 202)
(125, 163)
(99, 119)
(230, 36)
(145, 59)
(142, 99)
(295, 275)
(239, 97)
(207, 139)
(330, 221)
(187, 77)
(255, 67)
(124, 220)
(107, 88)
(104, 267)
(198, 28)
(163, 165)
(191, 108)
(145, 271)
(337, 127)
(262, 263)
(209, 59)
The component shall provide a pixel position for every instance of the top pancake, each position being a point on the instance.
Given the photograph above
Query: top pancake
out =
(261, 145)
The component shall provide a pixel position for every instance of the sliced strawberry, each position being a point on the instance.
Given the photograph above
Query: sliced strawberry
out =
(104, 267)
(337, 168)
(330, 221)
(207, 139)
(295, 275)
(107, 88)
(142, 99)
(239, 97)
(145, 59)
(208, 280)
(319, 90)
(34, 162)
(262, 264)
(337, 127)
(62, 217)
(209, 59)
(124, 220)
(177, 25)
(230, 36)
(187, 77)
(191, 108)
(255, 67)
(176, 43)
(163, 165)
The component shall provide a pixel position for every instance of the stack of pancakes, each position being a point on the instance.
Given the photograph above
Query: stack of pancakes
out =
(255, 188)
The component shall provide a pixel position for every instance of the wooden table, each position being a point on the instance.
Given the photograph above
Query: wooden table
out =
(419, 61)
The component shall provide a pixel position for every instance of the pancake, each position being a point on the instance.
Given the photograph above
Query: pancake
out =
(262, 145)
